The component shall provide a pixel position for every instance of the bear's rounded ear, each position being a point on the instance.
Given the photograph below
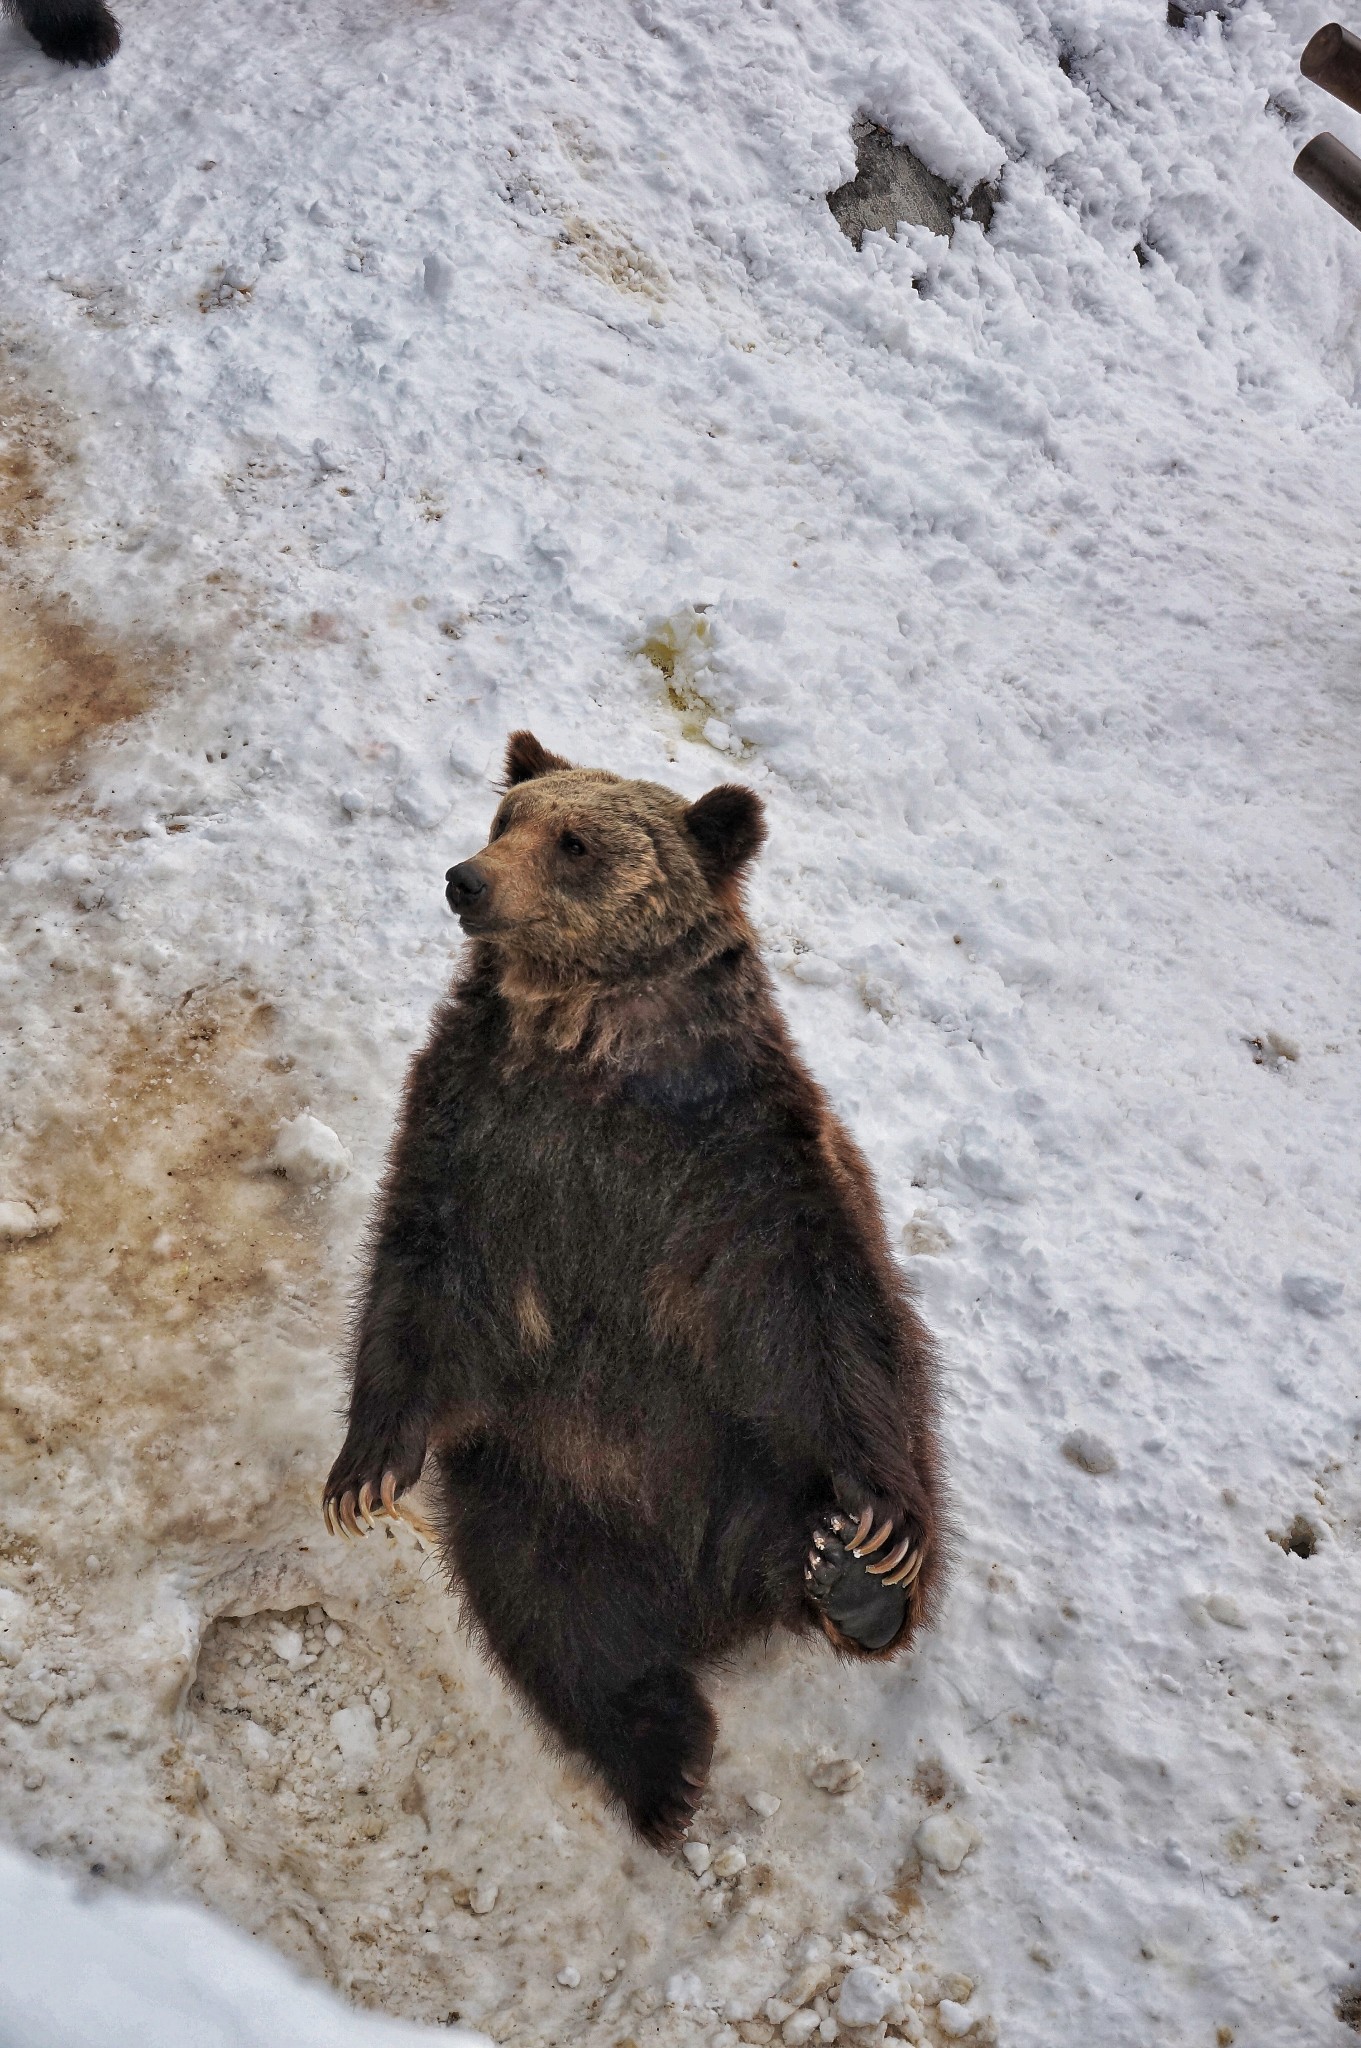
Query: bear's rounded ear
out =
(728, 826)
(526, 759)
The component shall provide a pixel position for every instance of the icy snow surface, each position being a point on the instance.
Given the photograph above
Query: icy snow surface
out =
(121, 1973)
(379, 377)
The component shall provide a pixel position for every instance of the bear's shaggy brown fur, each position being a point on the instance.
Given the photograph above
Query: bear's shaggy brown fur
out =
(630, 1290)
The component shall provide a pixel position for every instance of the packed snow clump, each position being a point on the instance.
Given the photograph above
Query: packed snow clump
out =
(309, 1153)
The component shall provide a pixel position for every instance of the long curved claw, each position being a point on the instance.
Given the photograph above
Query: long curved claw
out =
(891, 1562)
(863, 1528)
(388, 1493)
(426, 1530)
(880, 1536)
(326, 1514)
(347, 1515)
(366, 1504)
(906, 1575)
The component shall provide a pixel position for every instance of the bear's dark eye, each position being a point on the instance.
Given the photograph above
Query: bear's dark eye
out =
(573, 847)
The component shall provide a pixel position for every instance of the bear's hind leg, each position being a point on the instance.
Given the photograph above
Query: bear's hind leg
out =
(592, 1626)
(653, 1743)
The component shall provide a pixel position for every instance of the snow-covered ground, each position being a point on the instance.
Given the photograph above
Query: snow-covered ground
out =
(120, 1972)
(378, 378)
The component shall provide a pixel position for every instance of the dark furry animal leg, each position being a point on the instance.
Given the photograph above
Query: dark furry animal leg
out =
(589, 1623)
(72, 31)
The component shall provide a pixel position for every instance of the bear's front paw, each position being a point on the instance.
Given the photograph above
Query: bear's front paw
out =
(861, 1574)
(362, 1490)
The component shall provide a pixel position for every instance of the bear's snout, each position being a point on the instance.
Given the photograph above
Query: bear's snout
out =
(465, 888)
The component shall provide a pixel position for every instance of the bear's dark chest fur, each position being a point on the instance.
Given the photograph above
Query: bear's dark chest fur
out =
(599, 1237)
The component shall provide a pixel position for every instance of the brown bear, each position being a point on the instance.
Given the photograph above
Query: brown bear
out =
(630, 1292)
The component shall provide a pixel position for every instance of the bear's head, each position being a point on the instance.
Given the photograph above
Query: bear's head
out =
(588, 875)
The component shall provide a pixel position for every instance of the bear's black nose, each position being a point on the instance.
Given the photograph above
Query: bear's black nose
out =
(464, 885)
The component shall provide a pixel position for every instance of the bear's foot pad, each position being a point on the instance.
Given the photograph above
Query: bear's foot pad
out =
(861, 1572)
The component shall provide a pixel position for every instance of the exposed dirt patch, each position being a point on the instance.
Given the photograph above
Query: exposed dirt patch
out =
(323, 1754)
(63, 681)
(931, 1782)
(60, 684)
(121, 1323)
(35, 446)
(680, 648)
(614, 260)
(893, 185)
(104, 305)
(1299, 1540)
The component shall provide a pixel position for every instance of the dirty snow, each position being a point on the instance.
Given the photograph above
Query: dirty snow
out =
(377, 379)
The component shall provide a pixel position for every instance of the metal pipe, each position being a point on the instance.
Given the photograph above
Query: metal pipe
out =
(1329, 168)
(1332, 59)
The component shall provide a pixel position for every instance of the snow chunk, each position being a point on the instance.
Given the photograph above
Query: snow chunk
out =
(878, 1915)
(28, 1699)
(355, 1733)
(837, 1775)
(945, 1839)
(470, 761)
(1223, 1608)
(1313, 1293)
(953, 2018)
(309, 1153)
(13, 1625)
(757, 620)
(257, 1740)
(697, 1855)
(867, 1996)
(764, 1803)
(816, 970)
(482, 1898)
(20, 1220)
(422, 804)
(1088, 1452)
(985, 1167)
(685, 1991)
(807, 1981)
